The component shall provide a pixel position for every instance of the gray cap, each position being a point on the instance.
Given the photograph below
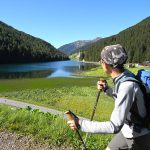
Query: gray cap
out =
(114, 55)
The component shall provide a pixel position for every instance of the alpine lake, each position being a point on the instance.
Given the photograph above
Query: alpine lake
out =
(44, 69)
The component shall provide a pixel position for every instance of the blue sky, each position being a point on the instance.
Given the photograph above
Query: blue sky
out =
(60, 22)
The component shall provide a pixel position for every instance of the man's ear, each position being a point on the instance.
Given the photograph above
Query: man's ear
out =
(108, 68)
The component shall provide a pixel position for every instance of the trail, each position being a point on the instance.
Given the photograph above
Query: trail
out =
(25, 105)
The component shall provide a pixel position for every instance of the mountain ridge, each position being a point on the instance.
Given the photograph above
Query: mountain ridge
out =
(73, 46)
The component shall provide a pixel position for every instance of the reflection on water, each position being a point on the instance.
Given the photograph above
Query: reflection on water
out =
(31, 74)
(43, 70)
(59, 72)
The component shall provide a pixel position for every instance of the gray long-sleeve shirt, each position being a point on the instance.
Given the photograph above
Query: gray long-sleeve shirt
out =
(123, 101)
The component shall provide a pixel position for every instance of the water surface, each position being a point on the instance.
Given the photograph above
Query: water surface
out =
(43, 70)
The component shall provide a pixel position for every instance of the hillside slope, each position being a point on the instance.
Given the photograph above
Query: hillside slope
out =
(17, 47)
(135, 39)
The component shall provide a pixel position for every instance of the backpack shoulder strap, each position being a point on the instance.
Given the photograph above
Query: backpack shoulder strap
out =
(124, 79)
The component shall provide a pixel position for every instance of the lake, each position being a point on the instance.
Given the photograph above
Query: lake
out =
(43, 70)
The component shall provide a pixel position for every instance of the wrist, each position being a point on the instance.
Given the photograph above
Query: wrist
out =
(106, 88)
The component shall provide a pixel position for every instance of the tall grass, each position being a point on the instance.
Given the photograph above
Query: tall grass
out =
(45, 127)
(65, 98)
(23, 84)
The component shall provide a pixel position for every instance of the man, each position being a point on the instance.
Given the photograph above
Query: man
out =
(129, 105)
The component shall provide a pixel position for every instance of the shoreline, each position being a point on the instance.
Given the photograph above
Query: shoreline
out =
(89, 62)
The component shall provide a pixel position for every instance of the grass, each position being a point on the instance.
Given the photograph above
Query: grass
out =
(70, 94)
(45, 127)
(22, 84)
(63, 98)
(76, 94)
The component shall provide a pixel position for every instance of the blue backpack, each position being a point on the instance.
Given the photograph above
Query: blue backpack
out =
(143, 79)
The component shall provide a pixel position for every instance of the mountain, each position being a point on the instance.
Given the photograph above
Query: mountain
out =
(72, 47)
(19, 47)
(135, 39)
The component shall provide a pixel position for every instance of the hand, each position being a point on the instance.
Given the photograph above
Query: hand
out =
(102, 85)
(72, 124)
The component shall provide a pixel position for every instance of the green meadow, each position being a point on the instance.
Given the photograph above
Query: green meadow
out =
(75, 94)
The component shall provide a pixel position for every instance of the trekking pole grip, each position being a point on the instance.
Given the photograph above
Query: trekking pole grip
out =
(69, 114)
(72, 116)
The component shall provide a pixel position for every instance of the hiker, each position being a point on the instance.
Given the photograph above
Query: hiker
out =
(129, 106)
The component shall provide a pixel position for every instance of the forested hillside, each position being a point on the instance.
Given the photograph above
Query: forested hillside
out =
(135, 39)
(17, 47)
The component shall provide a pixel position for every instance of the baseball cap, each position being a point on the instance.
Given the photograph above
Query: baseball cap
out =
(114, 55)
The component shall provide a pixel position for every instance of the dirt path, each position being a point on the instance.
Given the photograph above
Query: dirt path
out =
(25, 105)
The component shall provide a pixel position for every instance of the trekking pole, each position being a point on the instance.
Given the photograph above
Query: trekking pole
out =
(93, 113)
(71, 116)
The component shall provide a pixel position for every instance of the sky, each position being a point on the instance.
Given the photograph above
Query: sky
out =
(60, 22)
